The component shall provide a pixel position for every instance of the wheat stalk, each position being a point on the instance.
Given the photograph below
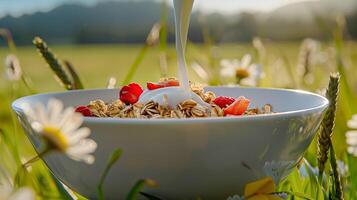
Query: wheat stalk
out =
(325, 134)
(53, 62)
(327, 125)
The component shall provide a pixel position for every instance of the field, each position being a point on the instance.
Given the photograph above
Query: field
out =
(97, 63)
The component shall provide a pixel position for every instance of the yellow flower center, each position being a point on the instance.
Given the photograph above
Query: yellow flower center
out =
(242, 73)
(55, 138)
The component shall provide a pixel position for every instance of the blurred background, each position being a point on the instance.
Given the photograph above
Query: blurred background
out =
(99, 21)
(108, 35)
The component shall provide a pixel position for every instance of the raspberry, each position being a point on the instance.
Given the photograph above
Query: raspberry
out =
(223, 101)
(130, 94)
(238, 107)
(84, 110)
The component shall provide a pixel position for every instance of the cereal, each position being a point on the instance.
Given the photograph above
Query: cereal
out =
(186, 109)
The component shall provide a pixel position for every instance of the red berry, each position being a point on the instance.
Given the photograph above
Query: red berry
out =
(223, 101)
(130, 94)
(84, 110)
(238, 107)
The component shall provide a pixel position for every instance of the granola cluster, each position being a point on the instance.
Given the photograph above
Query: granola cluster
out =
(186, 109)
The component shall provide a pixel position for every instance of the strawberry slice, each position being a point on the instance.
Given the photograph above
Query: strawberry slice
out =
(169, 83)
(84, 110)
(238, 107)
(223, 101)
(130, 94)
(154, 86)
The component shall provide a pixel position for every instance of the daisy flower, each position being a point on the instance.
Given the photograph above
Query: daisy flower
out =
(8, 193)
(351, 136)
(13, 68)
(244, 71)
(60, 128)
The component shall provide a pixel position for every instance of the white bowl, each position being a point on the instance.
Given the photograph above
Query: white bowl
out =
(211, 158)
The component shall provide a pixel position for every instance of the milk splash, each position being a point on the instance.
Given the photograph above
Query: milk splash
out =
(174, 95)
(183, 10)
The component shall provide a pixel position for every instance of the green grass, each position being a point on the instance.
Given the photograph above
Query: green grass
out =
(96, 63)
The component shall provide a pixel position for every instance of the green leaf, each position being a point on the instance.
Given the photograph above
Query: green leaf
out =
(337, 185)
(76, 81)
(64, 192)
(150, 196)
(314, 183)
(135, 65)
(352, 179)
(112, 160)
(139, 185)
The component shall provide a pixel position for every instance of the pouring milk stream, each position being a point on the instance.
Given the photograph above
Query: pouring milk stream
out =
(175, 95)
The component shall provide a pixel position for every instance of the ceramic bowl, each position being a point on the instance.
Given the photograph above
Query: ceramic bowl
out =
(211, 158)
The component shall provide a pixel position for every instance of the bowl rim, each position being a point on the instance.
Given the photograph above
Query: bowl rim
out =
(94, 120)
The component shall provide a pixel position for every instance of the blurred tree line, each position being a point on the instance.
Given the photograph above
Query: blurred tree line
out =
(130, 22)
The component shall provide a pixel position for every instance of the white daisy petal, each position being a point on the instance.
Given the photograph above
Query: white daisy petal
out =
(89, 159)
(352, 123)
(23, 194)
(351, 137)
(64, 117)
(72, 123)
(38, 127)
(352, 150)
(41, 114)
(85, 146)
(228, 72)
(7, 192)
(249, 82)
(55, 107)
(245, 62)
(354, 117)
(227, 63)
(29, 112)
(76, 136)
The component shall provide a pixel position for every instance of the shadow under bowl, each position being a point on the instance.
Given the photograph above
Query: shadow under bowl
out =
(211, 158)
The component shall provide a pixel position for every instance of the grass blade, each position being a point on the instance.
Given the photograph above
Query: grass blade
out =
(138, 187)
(139, 58)
(163, 38)
(337, 193)
(112, 160)
(150, 196)
(76, 81)
(65, 194)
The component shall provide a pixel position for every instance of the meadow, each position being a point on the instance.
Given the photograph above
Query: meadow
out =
(282, 64)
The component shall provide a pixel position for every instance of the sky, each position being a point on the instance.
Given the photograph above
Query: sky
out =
(19, 7)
